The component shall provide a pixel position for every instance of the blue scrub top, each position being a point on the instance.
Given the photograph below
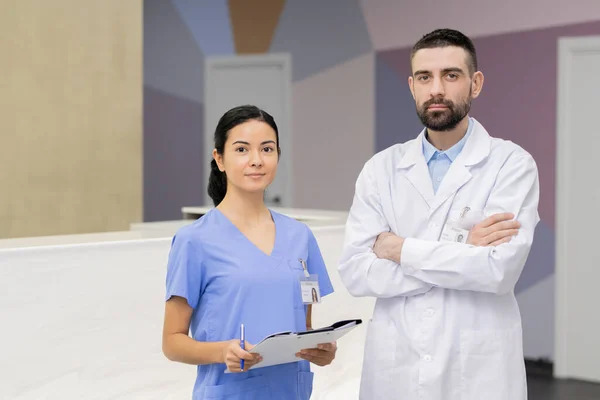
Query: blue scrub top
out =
(228, 281)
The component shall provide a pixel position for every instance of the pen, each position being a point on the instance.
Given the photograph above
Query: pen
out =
(242, 339)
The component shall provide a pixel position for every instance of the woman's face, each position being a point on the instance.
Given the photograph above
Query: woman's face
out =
(250, 157)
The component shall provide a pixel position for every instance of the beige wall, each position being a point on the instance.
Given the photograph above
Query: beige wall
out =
(70, 116)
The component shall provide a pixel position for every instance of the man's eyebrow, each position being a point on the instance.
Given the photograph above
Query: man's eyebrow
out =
(445, 70)
(421, 72)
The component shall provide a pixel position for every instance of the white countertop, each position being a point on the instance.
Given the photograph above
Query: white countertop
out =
(315, 219)
(309, 216)
(65, 240)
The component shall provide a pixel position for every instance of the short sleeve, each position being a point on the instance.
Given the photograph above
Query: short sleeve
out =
(316, 265)
(184, 269)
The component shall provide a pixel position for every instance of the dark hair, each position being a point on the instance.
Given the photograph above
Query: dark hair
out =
(444, 38)
(217, 181)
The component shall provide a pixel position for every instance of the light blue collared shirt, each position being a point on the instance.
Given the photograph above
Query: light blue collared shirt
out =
(439, 161)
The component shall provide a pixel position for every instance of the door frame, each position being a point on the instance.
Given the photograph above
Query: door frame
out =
(568, 47)
(284, 123)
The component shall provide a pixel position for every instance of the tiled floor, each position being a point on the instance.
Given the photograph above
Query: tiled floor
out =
(543, 388)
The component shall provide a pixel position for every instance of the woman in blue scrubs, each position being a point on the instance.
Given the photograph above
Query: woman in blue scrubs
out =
(242, 263)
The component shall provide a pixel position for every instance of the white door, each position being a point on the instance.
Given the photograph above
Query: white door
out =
(577, 353)
(261, 80)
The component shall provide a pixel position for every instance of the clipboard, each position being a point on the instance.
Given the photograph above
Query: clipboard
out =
(281, 348)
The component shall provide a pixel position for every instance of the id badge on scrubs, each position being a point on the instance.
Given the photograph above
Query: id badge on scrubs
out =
(309, 286)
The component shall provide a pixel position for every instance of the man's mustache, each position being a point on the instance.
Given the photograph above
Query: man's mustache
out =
(431, 102)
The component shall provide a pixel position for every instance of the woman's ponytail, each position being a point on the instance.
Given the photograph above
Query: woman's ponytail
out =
(217, 183)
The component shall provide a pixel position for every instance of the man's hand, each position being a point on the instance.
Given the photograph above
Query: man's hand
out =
(388, 246)
(321, 356)
(494, 230)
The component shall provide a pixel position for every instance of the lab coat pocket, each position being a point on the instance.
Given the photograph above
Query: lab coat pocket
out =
(305, 384)
(380, 345)
(378, 374)
(253, 388)
(465, 217)
(492, 365)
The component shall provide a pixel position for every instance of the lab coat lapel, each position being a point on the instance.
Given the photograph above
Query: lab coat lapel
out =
(456, 177)
(476, 150)
(417, 172)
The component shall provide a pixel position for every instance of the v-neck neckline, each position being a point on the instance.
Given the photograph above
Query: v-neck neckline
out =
(250, 242)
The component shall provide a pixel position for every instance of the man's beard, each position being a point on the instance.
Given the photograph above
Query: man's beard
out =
(444, 120)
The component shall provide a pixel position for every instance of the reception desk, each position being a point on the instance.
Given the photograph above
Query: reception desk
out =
(82, 315)
(312, 218)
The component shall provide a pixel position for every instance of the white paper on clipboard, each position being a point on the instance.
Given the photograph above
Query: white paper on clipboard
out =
(282, 348)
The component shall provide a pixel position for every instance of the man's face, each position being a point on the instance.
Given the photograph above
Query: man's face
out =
(443, 87)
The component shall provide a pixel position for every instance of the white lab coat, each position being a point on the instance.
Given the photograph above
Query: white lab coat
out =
(446, 324)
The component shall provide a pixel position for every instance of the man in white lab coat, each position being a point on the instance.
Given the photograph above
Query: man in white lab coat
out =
(439, 231)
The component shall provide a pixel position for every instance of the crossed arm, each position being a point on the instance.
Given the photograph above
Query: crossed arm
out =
(378, 263)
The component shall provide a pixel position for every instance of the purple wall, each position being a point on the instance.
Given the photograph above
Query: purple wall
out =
(173, 114)
(173, 159)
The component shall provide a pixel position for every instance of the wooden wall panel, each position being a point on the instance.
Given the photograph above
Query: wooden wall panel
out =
(71, 116)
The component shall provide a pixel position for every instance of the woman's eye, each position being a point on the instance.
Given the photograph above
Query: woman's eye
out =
(240, 149)
(268, 149)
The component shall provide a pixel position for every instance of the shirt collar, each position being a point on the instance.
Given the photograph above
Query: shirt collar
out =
(452, 152)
